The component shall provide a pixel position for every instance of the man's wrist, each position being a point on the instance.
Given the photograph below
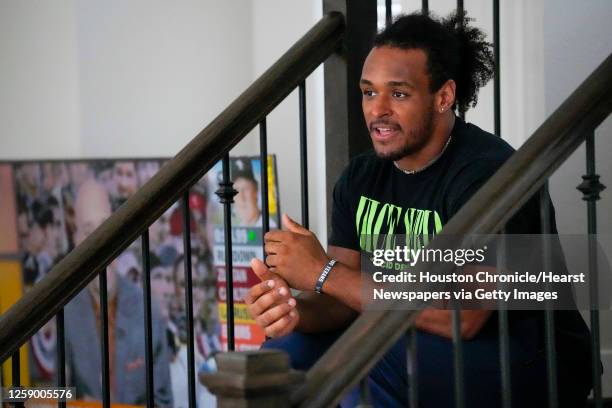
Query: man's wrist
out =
(324, 274)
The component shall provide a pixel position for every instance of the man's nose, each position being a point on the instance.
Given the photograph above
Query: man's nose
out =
(380, 107)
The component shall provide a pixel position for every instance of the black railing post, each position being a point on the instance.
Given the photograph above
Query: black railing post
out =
(16, 373)
(460, 14)
(146, 288)
(61, 354)
(411, 366)
(425, 7)
(365, 397)
(345, 130)
(104, 358)
(303, 153)
(263, 158)
(504, 327)
(16, 369)
(226, 195)
(189, 299)
(496, 78)
(549, 315)
(458, 357)
(590, 188)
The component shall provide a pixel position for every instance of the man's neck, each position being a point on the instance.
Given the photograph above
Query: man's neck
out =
(440, 133)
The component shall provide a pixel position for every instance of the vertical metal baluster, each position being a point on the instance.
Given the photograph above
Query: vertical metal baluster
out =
(189, 299)
(425, 7)
(549, 316)
(16, 373)
(104, 339)
(16, 369)
(61, 353)
(388, 12)
(496, 79)
(146, 286)
(460, 9)
(263, 159)
(365, 399)
(460, 14)
(590, 188)
(458, 357)
(303, 154)
(412, 365)
(504, 341)
(226, 195)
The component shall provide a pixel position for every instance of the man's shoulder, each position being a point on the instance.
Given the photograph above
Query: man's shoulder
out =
(476, 143)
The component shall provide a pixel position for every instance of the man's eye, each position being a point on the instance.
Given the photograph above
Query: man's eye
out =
(398, 94)
(368, 92)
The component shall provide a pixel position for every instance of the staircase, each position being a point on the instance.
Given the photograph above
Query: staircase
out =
(263, 378)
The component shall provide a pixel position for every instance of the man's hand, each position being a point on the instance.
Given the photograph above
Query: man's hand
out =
(295, 255)
(270, 303)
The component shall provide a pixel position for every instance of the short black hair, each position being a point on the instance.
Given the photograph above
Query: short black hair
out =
(455, 50)
(42, 214)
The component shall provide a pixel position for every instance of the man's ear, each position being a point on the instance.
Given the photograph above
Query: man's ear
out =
(445, 96)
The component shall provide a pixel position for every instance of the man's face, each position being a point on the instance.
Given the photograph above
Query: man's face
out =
(397, 103)
(125, 178)
(246, 200)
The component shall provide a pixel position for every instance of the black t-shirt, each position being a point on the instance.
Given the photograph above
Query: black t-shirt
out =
(373, 197)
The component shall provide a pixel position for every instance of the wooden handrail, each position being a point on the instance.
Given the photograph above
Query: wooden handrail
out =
(374, 332)
(82, 264)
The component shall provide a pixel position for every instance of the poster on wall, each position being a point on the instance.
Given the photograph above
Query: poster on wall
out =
(247, 242)
(58, 205)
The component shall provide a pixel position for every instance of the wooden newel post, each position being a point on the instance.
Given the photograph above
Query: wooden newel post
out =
(253, 379)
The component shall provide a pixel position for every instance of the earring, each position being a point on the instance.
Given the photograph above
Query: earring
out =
(441, 109)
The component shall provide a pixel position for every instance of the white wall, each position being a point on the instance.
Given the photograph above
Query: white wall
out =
(154, 73)
(39, 100)
(117, 78)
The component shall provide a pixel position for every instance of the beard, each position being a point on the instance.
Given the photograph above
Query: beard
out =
(417, 138)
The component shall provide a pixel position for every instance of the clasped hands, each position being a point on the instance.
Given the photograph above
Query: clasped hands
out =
(295, 258)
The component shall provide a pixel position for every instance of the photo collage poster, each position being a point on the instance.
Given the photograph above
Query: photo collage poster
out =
(58, 203)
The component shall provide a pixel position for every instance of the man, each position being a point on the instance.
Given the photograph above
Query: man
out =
(126, 324)
(124, 181)
(427, 164)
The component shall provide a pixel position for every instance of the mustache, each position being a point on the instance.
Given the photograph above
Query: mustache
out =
(383, 123)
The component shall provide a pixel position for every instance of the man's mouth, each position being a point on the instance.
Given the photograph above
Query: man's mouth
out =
(383, 132)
